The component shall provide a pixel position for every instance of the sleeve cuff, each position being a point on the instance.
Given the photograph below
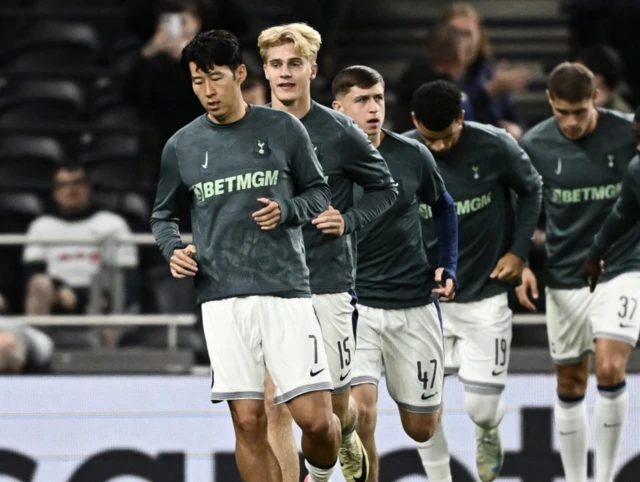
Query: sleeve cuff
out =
(349, 223)
(521, 248)
(595, 252)
(285, 210)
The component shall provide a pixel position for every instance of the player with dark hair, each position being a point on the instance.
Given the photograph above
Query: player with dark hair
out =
(348, 159)
(252, 179)
(582, 153)
(481, 166)
(400, 328)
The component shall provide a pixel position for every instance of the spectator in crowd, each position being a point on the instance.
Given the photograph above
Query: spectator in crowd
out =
(59, 277)
(445, 59)
(157, 84)
(488, 85)
(254, 91)
(608, 69)
(24, 349)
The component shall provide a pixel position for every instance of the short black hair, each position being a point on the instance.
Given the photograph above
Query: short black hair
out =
(437, 104)
(215, 47)
(604, 60)
(355, 76)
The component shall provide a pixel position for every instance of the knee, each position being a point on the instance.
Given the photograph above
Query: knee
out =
(610, 371)
(40, 285)
(250, 426)
(421, 429)
(278, 414)
(572, 385)
(318, 427)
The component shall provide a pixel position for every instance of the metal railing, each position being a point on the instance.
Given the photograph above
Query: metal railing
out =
(116, 284)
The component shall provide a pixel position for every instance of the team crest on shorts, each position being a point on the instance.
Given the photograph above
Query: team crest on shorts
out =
(261, 148)
(317, 148)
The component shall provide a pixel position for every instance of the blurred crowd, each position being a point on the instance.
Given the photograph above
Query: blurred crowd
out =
(154, 95)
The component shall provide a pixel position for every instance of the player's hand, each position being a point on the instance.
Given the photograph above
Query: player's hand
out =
(508, 268)
(67, 298)
(330, 222)
(182, 263)
(446, 292)
(269, 216)
(529, 283)
(591, 272)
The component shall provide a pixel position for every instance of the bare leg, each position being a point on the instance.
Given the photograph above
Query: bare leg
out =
(254, 456)
(280, 429)
(366, 398)
(40, 295)
(321, 433)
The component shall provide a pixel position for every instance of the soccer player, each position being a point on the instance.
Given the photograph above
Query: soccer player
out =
(623, 218)
(252, 179)
(400, 329)
(347, 157)
(582, 153)
(481, 165)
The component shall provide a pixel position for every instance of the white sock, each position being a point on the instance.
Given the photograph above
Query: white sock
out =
(317, 474)
(435, 456)
(610, 420)
(573, 437)
(486, 410)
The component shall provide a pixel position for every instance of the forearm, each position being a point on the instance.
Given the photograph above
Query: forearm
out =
(306, 206)
(446, 224)
(528, 213)
(369, 207)
(615, 226)
(167, 235)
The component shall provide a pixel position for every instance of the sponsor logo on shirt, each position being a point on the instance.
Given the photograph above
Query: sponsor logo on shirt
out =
(241, 182)
(467, 206)
(583, 194)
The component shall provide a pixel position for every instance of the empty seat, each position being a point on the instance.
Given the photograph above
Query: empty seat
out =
(115, 113)
(42, 103)
(17, 210)
(55, 46)
(28, 163)
(113, 163)
(83, 4)
(132, 206)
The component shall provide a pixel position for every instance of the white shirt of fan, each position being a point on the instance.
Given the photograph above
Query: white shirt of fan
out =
(76, 264)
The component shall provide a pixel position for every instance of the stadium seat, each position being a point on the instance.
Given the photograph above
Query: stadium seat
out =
(113, 163)
(17, 210)
(73, 4)
(132, 206)
(55, 46)
(28, 163)
(42, 103)
(113, 112)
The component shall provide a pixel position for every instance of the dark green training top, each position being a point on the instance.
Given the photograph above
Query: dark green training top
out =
(480, 172)
(624, 216)
(582, 180)
(224, 169)
(393, 272)
(347, 157)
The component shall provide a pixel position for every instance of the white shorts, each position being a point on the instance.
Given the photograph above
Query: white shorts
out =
(338, 317)
(575, 317)
(477, 342)
(245, 334)
(408, 345)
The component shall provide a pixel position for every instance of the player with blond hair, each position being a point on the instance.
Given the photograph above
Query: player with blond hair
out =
(347, 158)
